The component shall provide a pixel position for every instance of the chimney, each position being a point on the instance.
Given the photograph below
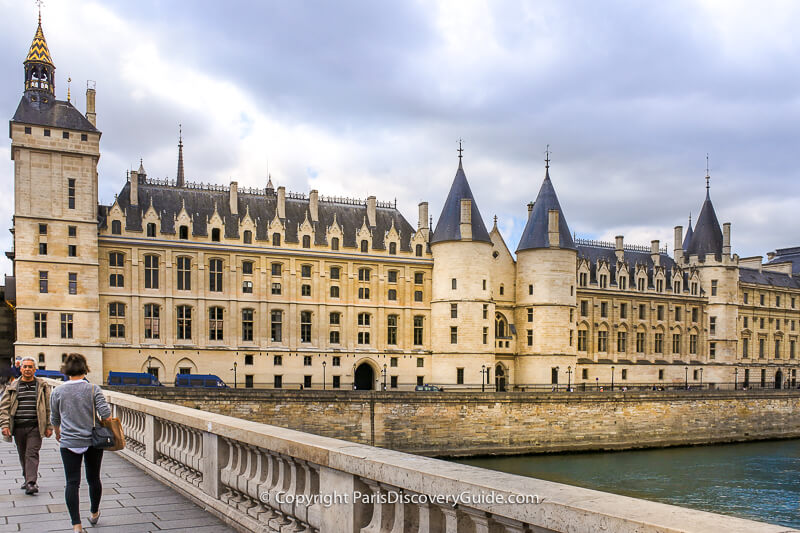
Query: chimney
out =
(134, 187)
(313, 205)
(678, 244)
(281, 202)
(91, 114)
(619, 249)
(726, 238)
(466, 219)
(234, 198)
(552, 228)
(423, 216)
(372, 203)
(655, 255)
(530, 209)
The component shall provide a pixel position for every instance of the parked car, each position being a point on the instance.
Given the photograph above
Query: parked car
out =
(429, 388)
(52, 374)
(205, 381)
(139, 379)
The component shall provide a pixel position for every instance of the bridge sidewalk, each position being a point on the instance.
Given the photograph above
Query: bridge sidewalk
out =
(132, 500)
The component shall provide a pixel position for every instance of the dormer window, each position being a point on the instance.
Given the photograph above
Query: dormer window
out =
(248, 237)
(215, 235)
(116, 227)
(151, 229)
(306, 241)
(392, 248)
(183, 233)
(364, 246)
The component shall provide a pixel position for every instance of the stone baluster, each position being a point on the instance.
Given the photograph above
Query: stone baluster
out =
(226, 473)
(381, 514)
(257, 480)
(197, 457)
(479, 519)
(399, 509)
(427, 518)
(450, 519)
(289, 508)
(266, 489)
(278, 492)
(509, 524)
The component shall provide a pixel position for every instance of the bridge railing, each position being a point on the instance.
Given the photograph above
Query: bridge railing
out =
(268, 479)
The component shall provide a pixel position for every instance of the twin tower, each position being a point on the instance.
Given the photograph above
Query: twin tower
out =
(494, 315)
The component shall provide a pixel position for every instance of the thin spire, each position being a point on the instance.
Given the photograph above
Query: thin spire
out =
(460, 150)
(547, 157)
(180, 179)
(690, 219)
(40, 3)
(69, 80)
(708, 177)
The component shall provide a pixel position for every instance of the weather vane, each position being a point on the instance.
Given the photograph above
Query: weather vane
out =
(39, 4)
(708, 176)
(547, 157)
(459, 149)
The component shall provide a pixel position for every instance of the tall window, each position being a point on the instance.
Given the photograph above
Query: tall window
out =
(183, 233)
(72, 282)
(276, 325)
(712, 325)
(151, 272)
(247, 268)
(276, 239)
(418, 329)
(40, 325)
(335, 243)
(622, 342)
(215, 323)
(116, 261)
(152, 321)
(363, 274)
(66, 325)
(363, 293)
(71, 193)
(693, 344)
(248, 237)
(418, 250)
(602, 341)
(659, 343)
(151, 229)
(247, 325)
(305, 326)
(581, 340)
(184, 316)
(453, 310)
(305, 271)
(640, 341)
(184, 274)
(116, 227)
(676, 343)
(391, 331)
(306, 241)
(42, 282)
(215, 275)
(453, 334)
(713, 287)
(364, 246)
(335, 272)
(116, 320)
(745, 348)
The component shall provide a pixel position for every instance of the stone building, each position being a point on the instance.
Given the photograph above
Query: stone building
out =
(269, 288)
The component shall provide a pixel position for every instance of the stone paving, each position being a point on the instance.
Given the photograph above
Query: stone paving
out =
(132, 500)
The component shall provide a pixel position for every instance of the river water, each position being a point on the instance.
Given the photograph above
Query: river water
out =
(758, 480)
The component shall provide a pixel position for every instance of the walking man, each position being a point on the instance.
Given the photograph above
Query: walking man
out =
(25, 415)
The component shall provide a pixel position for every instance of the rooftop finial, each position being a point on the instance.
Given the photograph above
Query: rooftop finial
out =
(180, 178)
(460, 150)
(547, 157)
(708, 176)
(690, 218)
(69, 80)
(39, 3)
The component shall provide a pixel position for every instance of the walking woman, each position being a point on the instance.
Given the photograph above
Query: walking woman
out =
(73, 406)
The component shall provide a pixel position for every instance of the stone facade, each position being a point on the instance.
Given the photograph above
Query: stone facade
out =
(275, 289)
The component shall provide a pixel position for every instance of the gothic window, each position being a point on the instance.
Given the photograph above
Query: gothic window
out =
(364, 246)
(418, 250)
(151, 229)
(276, 239)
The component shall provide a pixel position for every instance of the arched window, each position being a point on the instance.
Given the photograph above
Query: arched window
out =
(364, 246)
(335, 243)
(392, 248)
(306, 241)
(248, 237)
(116, 227)
(183, 232)
(215, 235)
(500, 326)
(419, 250)
(276, 239)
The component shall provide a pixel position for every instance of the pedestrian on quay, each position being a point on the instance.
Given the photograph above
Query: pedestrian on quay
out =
(25, 416)
(16, 371)
(75, 406)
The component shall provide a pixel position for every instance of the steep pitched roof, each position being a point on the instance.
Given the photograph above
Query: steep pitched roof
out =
(448, 227)
(39, 51)
(33, 109)
(707, 236)
(688, 238)
(535, 233)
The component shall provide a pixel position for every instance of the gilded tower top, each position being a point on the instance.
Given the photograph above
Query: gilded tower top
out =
(39, 51)
(39, 68)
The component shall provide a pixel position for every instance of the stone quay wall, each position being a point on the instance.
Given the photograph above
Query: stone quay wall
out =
(463, 424)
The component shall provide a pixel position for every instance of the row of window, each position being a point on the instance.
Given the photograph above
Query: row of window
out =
(789, 324)
(641, 342)
(762, 300)
(641, 283)
(247, 238)
(64, 134)
(641, 309)
(762, 348)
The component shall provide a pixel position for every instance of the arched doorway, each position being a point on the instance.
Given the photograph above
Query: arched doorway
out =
(364, 378)
(500, 378)
(778, 379)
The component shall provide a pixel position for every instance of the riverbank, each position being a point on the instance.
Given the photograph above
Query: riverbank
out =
(467, 424)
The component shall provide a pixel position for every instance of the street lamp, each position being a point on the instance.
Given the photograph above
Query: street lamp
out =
(597, 383)
(612, 379)
(323, 374)
(149, 369)
(569, 378)
(686, 379)
(736, 378)
(384, 376)
(701, 379)
(234, 374)
(483, 378)
(354, 376)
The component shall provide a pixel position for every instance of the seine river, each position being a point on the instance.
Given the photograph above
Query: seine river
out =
(759, 480)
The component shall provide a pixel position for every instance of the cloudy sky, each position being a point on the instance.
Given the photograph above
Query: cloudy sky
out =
(361, 98)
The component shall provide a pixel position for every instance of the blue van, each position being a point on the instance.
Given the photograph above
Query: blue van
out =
(138, 379)
(52, 374)
(204, 381)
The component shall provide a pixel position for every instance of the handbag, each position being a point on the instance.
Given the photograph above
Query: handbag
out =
(108, 435)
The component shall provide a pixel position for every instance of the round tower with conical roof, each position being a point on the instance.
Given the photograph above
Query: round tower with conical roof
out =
(545, 292)
(462, 311)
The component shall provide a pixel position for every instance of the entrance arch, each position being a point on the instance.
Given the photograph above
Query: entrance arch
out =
(364, 378)
(499, 378)
(778, 379)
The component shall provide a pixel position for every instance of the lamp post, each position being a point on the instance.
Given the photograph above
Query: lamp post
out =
(234, 374)
(686, 379)
(612, 379)
(736, 378)
(597, 383)
(569, 378)
(323, 374)
(384, 377)
(483, 378)
(354, 376)
(701, 379)
(149, 371)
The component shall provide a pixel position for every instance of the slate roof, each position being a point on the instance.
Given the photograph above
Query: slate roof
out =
(448, 227)
(707, 236)
(535, 233)
(595, 253)
(167, 200)
(39, 51)
(783, 255)
(53, 113)
(765, 277)
(688, 238)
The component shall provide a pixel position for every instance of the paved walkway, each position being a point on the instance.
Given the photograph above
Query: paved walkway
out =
(132, 500)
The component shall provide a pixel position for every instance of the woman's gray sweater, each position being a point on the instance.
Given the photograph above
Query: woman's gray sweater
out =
(71, 408)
